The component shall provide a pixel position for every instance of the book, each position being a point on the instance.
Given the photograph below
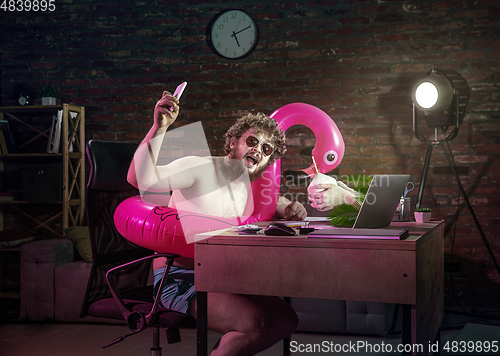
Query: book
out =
(50, 142)
(57, 133)
(349, 233)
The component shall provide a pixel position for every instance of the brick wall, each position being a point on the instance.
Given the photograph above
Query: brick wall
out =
(355, 59)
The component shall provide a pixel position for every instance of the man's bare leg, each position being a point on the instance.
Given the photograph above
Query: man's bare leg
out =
(250, 324)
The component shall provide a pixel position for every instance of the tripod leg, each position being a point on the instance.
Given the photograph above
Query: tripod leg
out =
(424, 175)
(466, 198)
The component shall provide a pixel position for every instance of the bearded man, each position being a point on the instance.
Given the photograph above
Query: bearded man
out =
(218, 186)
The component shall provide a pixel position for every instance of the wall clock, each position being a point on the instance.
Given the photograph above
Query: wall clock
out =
(232, 34)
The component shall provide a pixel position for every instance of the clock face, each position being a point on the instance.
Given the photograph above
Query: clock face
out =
(233, 34)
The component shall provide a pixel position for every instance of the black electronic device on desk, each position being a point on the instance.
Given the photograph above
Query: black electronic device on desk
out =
(279, 229)
(348, 233)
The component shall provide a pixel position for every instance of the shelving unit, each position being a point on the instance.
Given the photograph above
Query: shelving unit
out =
(71, 208)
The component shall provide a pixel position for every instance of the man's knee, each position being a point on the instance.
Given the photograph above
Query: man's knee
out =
(261, 324)
(280, 324)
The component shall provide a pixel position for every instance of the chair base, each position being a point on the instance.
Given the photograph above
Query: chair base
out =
(155, 351)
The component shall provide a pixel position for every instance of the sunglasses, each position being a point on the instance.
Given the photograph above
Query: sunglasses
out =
(253, 141)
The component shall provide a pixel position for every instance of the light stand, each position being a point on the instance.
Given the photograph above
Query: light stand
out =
(458, 106)
(433, 143)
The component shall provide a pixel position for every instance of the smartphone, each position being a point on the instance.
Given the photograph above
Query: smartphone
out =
(178, 92)
(180, 89)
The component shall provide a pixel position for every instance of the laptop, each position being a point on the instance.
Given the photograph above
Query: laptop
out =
(379, 205)
(381, 201)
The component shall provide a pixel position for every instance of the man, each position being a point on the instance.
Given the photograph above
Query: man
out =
(219, 186)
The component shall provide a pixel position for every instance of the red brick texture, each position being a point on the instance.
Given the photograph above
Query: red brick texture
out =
(357, 60)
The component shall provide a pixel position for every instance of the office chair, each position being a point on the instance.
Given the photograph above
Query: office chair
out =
(118, 283)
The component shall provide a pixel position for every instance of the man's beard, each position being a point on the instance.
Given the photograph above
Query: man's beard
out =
(256, 174)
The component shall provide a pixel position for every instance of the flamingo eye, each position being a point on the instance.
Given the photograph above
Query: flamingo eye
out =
(330, 157)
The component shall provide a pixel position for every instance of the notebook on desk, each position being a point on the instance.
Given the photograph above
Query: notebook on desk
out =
(377, 210)
(349, 233)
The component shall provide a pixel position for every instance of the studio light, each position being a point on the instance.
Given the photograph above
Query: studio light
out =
(442, 97)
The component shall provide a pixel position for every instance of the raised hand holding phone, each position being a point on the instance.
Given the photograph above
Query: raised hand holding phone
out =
(165, 113)
(178, 91)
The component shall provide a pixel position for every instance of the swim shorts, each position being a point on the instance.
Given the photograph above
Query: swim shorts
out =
(179, 289)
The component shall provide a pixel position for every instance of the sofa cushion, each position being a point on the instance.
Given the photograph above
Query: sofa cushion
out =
(370, 318)
(69, 289)
(70, 281)
(38, 260)
(80, 237)
(320, 315)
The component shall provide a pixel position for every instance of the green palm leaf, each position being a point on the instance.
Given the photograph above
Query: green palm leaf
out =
(344, 215)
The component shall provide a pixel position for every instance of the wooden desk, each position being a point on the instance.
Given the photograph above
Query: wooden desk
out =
(408, 272)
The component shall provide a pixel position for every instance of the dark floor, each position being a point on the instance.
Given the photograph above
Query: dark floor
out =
(18, 339)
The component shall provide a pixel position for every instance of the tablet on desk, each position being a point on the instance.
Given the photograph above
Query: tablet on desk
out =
(348, 233)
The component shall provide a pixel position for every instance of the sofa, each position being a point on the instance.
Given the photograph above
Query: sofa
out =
(54, 276)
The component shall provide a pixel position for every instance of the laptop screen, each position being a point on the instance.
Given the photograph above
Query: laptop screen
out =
(381, 201)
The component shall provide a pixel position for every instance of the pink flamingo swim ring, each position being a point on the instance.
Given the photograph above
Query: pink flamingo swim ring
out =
(163, 229)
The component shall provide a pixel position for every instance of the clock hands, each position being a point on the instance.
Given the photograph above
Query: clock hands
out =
(235, 33)
(246, 28)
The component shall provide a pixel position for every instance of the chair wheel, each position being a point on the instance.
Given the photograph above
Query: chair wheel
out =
(173, 335)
